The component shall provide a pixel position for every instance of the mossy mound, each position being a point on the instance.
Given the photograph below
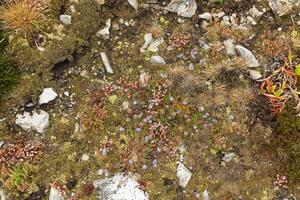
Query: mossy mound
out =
(8, 75)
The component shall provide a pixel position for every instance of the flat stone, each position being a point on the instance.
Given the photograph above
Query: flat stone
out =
(254, 12)
(134, 3)
(47, 95)
(144, 79)
(106, 63)
(228, 157)
(184, 8)
(119, 187)
(183, 175)
(148, 40)
(254, 74)
(65, 19)
(283, 7)
(157, 60)
(55, 194)
(229, 47)
(104, 33)
(205, 195)
(247, 56)
(207, 16)
(35, 121)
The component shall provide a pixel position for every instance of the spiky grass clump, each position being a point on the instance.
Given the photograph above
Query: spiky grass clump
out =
(22, 16)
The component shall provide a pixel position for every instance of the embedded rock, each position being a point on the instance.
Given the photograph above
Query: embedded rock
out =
(183, 8)
(157, 60)
(183, 174)
(65, 19)
(106, 63)
(247, 56)
(119, 187)
(229, 47)
(134, 3)
(35, 121)
(283, 7)
(55, 194)
(254, 74)
(47, 95)
(104, 33)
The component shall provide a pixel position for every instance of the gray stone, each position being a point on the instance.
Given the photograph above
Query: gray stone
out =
(106, 63)
(104, 33)
(184, 8)
(47, 95)
(144, 79)
(283, 7)
(255, 13)
(157, 60)
(2, 194)
(207, 16)
(228, 157)
(254, 74)
(148, 40)
(134, 3)
(183, 175)
(119, 187)
(229, 47)
(35, 121)
(65, 19)
(55, 194)
(247, 56)
(205, 195)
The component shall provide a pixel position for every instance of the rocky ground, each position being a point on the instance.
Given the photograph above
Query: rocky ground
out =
(154, 99)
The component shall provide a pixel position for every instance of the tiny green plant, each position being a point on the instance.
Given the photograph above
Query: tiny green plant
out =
(19, 173)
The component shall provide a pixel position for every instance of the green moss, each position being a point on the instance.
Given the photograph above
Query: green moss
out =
(8, 75)
(19, 173)
(288, 125)
(294, 163)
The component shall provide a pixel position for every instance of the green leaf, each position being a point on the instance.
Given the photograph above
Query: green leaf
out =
(278, 93)
(297, 70)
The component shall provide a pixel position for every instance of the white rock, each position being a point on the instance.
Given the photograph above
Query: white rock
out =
(255, 13)
(247, 56)
(144, 79)
(255, 75)
(134, 3)
(230, 48)
(206, 16)
(228, 157)
(104, 33)
(183, 175)
(219, 15)
(2, 194)
(37, 121)
(153, 47)
(65, 19)
(1, 144)
(106, 63)
(119, 187)
(148, 40)
(55, 194)
(205, 195)
(47, 95)
(85, 157)
(157, 60)
(184, 8)
(283, 7)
